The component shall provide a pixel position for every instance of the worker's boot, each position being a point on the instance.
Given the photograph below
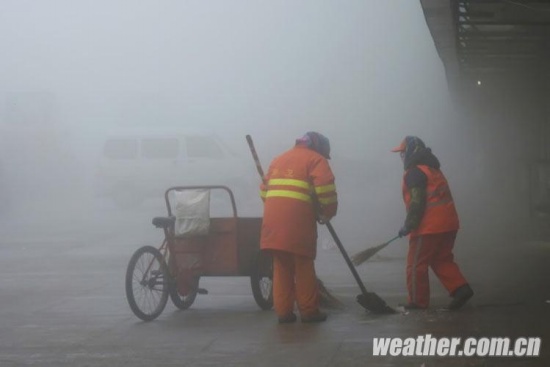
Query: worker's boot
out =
(461, 296)
(316, 317)
(288, 319)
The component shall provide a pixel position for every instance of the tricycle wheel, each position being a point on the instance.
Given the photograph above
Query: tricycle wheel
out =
(147, 283)
(261, 280)
(184, 302)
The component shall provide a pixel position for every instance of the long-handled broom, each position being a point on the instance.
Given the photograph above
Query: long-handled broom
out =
(369, 300)
(326, 299)
(364, 255)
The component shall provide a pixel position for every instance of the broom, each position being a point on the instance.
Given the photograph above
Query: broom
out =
(364, 255)
(326, 299)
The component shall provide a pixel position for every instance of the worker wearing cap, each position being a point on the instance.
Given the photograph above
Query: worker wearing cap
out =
(298, 191)
(432, 224)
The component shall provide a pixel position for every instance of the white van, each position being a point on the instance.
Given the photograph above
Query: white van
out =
(134, 167)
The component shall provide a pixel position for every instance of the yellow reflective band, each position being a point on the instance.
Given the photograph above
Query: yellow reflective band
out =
(288, 194)
(263, 193)
(329, 200)
(289, 182)
(325, 188)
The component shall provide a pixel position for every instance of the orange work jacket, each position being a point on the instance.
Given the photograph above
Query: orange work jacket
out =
(290, 220)
(440, 214)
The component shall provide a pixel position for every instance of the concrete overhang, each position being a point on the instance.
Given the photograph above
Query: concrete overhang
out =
(476, 39)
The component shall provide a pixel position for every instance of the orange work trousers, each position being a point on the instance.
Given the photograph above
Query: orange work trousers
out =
(294, 281)
(433, 251)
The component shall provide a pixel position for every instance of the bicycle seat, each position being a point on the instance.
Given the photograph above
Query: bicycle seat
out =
(164, 222)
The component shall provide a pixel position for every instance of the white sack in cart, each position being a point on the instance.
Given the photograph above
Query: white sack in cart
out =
(192, 211)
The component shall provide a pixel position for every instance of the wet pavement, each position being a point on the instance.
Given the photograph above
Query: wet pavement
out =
(62, 303)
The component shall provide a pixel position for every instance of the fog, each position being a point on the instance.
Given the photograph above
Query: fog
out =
(364, 73)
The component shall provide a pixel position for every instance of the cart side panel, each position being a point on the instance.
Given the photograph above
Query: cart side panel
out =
(212, 255)
(220, 255)
(248, 240)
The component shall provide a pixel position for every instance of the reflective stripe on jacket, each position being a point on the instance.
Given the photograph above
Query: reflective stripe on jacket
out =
(289, 220)
(440, 214)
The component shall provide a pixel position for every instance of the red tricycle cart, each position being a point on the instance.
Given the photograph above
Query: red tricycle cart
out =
(230, 248)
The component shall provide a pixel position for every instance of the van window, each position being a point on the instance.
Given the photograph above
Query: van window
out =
(202, 147)
(166, 148)
(121, 149)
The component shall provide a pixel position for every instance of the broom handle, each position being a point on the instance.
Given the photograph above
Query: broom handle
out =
(393, 239)
(384, 245)
(255, 156)
(346, 257)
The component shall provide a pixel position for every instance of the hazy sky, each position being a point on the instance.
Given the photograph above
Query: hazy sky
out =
(354, 70)
(364, 73)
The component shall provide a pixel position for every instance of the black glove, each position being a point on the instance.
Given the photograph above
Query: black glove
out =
(321, 219)
(403, 231)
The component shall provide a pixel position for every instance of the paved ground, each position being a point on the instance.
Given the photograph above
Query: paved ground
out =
(62, 303)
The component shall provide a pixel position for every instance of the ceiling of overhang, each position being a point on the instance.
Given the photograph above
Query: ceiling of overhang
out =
(480, 37)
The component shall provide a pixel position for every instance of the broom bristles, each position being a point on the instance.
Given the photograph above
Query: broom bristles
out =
(364, 255)
(326, 299)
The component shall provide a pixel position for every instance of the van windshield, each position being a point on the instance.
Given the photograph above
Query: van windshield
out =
(203, 147)
(121, 148)
(164, 148)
